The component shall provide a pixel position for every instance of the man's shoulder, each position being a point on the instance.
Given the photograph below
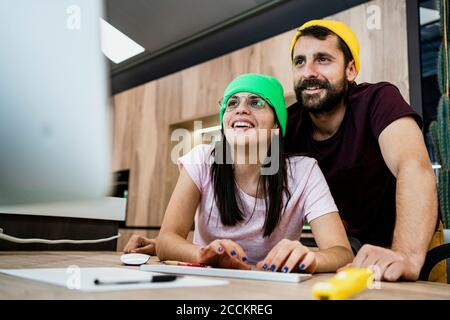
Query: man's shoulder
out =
(372, 86)
(365, 91)
(367, 98)
(381, 103)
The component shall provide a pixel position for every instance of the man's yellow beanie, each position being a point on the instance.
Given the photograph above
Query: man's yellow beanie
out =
(340, 29)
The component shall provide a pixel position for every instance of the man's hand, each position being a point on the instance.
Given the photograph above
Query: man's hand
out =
(289, 256)
(388, 265)
(139, 244)
(223, 253)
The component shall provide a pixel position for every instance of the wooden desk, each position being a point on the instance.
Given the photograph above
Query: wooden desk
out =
(18, 288)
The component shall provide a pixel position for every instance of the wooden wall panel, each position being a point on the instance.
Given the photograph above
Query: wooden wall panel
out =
(275, 60)
(384, 50)
(168, 102)
(203, 86)
(143, 163)
(144, 116)
(245, 60)
(124, 128)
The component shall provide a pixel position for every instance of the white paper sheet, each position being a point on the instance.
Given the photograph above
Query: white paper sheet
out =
(83, 278)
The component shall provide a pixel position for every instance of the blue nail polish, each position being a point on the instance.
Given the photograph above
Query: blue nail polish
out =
(285, 269)
(272, 267)
(233, 253)
(264, 266)
(244, 259)
(302, 266)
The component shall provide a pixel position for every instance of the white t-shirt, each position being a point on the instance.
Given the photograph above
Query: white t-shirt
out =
(310, 199)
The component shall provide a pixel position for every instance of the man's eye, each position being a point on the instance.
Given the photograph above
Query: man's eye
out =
(298, 62)
(324, 59)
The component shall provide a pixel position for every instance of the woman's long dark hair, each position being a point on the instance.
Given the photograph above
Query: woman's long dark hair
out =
(273, 188)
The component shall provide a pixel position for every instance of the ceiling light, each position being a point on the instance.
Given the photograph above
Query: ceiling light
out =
(117, 46)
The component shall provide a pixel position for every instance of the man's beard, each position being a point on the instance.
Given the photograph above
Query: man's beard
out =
(312, 102)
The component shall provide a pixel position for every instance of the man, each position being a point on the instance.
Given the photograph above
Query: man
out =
(369, 145)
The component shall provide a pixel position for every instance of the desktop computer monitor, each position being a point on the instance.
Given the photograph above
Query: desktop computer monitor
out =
(55, 134)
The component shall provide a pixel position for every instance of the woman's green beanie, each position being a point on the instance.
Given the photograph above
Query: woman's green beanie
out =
(266, 87)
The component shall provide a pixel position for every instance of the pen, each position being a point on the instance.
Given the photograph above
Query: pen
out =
(186, 264)
(161, 278)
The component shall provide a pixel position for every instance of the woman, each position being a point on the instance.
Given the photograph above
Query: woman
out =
(247, 212)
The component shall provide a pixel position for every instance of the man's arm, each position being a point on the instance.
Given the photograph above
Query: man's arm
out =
(405, 154)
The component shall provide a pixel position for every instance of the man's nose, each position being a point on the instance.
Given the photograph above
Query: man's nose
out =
(309, 70)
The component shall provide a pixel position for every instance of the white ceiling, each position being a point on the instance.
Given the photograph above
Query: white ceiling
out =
(156, 24)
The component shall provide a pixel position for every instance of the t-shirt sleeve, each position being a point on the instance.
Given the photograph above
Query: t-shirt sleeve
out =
(387, 106)
(318, 200)
(196, 163)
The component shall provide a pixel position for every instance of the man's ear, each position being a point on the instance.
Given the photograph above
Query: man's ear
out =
(350, 71)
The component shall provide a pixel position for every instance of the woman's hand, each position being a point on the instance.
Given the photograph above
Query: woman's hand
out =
(223, 253)
(139, 244)
(289, 256)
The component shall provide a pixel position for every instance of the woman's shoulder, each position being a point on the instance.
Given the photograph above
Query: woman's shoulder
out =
(301, 161)
(199, 154)
(303, 171)
(300, 167)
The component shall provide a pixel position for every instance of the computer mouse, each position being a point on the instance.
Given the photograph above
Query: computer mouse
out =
(134, 259)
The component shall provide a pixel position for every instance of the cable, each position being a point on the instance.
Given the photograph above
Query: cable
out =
(46, 241)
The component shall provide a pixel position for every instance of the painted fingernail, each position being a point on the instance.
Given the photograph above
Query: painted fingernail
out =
(244, 259)
(285, 269)
(302, 266)
(264, 266)
(233, 253)
(272, 267)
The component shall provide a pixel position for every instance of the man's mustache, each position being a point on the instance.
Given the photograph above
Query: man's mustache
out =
(308, 83)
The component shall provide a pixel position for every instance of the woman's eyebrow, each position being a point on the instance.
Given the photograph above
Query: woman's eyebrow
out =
(252, 95)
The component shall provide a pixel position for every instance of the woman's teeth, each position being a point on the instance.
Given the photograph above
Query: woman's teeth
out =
(242, 125)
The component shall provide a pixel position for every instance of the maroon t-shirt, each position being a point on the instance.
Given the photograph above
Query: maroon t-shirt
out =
(360, 182)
